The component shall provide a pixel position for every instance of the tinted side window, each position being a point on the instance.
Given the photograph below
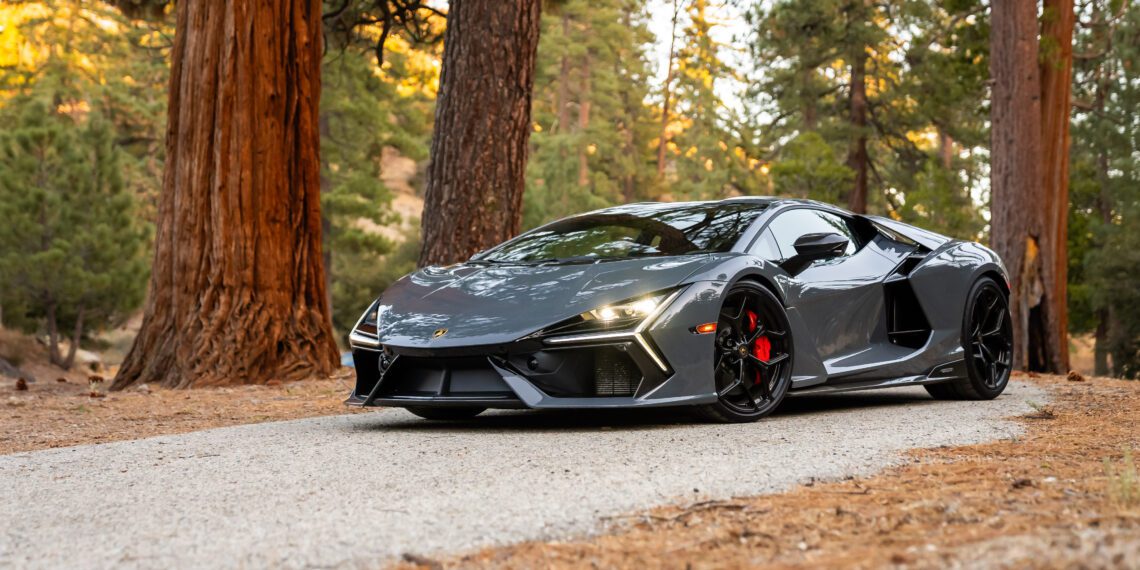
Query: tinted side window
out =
(790, 225)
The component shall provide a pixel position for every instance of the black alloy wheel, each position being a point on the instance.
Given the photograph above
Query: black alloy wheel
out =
(987, 339)
(752, 358)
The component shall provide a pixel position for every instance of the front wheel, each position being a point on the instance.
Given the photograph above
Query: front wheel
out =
(987, 338)
(752, 355)
(449, 413)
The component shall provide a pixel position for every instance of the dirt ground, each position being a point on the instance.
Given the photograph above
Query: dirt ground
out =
(58, 414)
(1063, 495)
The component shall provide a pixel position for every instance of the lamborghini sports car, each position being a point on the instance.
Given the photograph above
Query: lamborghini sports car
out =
(727, 306)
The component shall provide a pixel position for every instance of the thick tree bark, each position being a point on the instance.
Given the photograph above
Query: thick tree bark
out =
(1056, 87)
(1021, 215)
(237, 293)
(482, 125)
(857, 154)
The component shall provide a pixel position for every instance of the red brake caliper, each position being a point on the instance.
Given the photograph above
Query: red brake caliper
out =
(762, 347)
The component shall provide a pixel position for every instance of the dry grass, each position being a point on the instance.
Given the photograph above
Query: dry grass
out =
(58, 414)
(1123, 485)
(1061, 496)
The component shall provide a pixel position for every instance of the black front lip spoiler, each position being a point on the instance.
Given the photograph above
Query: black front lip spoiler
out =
(436, 402)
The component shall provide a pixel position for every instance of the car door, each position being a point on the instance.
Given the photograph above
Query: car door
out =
(840, 298)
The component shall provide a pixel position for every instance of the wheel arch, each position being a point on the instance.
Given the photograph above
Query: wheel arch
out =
(763, 281)
(808, 366)
(999, 277)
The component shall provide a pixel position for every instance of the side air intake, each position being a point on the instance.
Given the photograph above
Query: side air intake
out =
(907, 325)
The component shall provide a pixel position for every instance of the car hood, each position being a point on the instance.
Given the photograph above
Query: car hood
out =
(482, 304)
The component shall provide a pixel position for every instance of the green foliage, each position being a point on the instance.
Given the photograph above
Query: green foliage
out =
(82, 97)
(70, 247)
(592, 127)
(709, 159)
(808, 168)
(938, 199)
(83, 103)
(926, 73)
(90, 57)
(1104, 247)
(367, 111)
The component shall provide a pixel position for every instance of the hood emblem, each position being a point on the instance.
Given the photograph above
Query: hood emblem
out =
(438, 333)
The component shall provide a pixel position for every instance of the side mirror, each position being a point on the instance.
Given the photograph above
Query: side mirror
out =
(813, 247)
(821, 246)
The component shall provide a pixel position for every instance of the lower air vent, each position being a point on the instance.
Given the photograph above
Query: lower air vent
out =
(614, 374)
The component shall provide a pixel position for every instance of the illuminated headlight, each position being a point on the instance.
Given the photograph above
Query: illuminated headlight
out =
(630, 311)
(616, 322)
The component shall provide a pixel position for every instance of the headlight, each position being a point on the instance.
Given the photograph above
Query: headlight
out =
(625, 321)
(366, 332)
(371, 317)
(628, 312)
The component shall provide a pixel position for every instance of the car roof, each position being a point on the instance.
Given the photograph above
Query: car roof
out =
(756, 200)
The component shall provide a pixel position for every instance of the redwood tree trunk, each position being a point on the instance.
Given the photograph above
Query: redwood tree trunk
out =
(1020, 213)
(482, 125)
(237, 293)
(1056, 86)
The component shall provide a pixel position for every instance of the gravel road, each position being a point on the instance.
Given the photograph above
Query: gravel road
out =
(354, 490)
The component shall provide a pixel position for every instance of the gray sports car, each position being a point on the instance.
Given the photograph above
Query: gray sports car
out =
(727, 306)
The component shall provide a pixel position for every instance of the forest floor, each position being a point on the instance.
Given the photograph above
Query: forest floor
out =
(60, 412)
(1065, 494)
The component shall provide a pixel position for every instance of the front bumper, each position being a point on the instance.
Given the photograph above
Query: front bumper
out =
(603, 373)
(659, 363)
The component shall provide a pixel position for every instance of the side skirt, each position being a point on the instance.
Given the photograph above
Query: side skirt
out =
(941, 373)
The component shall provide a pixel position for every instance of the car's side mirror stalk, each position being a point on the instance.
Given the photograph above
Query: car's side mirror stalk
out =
(814, 247)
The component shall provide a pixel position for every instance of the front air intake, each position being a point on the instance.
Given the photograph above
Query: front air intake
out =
(614, 373)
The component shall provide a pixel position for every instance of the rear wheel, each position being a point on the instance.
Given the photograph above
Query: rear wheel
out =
(449, 413)
(752, 358)
(987, 338)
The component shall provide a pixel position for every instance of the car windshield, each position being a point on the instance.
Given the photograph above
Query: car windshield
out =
(629, 232)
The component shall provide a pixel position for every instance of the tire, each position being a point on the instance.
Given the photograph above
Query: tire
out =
(752, 355)
(987, 339)
(445, 414)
